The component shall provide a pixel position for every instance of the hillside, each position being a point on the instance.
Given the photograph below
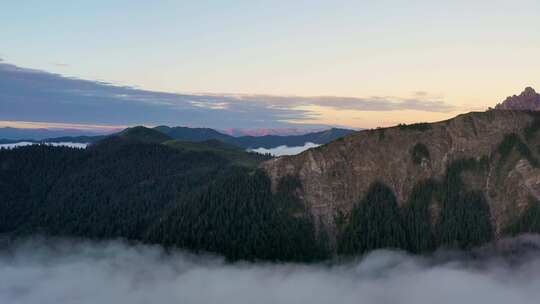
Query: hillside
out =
(442, 168)
(271, 141)
(251, 142)
(193, 134)
(186, 134)
(143, 134)
(188, 195)
(230, 152)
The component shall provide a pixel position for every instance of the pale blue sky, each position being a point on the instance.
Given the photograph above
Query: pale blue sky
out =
(468, 53)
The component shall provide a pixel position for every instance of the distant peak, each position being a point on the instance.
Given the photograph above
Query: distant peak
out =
(528, 100)
(529, 91)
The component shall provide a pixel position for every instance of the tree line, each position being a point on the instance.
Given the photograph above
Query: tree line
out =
(154, 194)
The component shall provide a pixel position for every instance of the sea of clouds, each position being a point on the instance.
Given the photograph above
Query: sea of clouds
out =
(285, 150)
(63, 271)
(28, 143)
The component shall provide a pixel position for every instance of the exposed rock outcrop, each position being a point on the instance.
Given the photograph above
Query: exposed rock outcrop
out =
(527, 100)
(336, 176)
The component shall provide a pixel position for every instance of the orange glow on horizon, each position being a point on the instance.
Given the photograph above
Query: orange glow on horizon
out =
(371, 119)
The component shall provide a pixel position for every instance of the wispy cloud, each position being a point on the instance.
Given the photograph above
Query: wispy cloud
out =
(286, 150)
(211, 105)
(33, 95)
(61, 65)
(421, 102)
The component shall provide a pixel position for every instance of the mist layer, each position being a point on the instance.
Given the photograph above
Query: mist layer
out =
(64, 271)
(286, 150)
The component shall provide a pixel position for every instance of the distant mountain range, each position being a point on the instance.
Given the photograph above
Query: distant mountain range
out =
(204, 134)
(231, 153)
(38, 134)
(247, 142)
(269, 131)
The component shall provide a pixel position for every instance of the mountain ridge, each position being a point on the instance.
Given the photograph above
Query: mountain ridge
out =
(205, 134)
(336, 176)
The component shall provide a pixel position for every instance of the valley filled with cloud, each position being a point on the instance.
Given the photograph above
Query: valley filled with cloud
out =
(66, 271)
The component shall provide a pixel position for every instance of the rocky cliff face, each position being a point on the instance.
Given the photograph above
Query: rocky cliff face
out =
(527, 100)
(336, 176)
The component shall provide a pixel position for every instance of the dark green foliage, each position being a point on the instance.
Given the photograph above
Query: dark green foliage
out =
(236, 155)
(239, 217)
(154, 193)
(508, 143)
(418, 217)
(295, 235)
(465, 221)
(453, 185)
(532, 128)
(195, 198)
(113, 189)
(419, 152)
(381, 134)
(26, 176)
(528, 222)
(437, 213)
(340, 220)
(143, 134)
(511, 141)
(374, 223)
(421, 126)
(477, 165)
(193, 134)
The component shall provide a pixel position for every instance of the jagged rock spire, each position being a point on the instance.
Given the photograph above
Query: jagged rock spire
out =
(527, 100)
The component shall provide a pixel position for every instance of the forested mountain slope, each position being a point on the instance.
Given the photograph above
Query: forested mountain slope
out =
(133, 187)
(457, 183)
(461, 182)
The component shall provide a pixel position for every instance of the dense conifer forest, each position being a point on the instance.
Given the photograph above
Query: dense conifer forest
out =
(153, 193)
(463, 219)
(200, 197)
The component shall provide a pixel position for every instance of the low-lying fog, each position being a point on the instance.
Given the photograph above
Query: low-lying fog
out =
(277, 151)
(286, 150)
(27, 143)
(61, 271)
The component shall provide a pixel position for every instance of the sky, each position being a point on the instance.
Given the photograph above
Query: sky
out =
(467, 55)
